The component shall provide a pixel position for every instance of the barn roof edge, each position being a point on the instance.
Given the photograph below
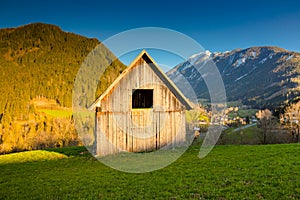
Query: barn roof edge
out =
(158, 72)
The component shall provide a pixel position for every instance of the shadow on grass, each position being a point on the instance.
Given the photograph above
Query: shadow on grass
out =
(71, 151)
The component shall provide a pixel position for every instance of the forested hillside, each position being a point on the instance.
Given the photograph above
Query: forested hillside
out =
(40, 60)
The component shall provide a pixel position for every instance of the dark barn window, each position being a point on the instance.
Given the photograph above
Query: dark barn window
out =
(142, 98)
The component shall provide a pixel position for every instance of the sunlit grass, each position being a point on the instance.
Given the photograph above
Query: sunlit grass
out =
(57, 112)
(30, 156)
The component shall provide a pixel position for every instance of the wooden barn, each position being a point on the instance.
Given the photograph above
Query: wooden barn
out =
(141, 111)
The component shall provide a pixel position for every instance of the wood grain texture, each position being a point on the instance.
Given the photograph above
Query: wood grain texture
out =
(122, 128)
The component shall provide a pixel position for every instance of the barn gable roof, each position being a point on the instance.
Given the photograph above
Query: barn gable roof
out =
(157, 70)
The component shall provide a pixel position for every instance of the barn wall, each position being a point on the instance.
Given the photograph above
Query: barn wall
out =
(121, 128)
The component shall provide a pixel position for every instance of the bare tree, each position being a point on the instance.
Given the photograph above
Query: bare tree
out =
(266, 121)
(291, 118)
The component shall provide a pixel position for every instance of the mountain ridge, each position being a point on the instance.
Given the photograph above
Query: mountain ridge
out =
(29, 45)
(243, 72)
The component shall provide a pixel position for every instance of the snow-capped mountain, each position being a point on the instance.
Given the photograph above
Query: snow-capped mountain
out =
(261, 76)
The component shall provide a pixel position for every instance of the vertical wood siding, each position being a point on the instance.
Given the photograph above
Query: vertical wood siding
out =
(121, 128)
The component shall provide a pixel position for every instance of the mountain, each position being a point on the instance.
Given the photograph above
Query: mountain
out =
(258, 76)
(42, 60)
(38, 65)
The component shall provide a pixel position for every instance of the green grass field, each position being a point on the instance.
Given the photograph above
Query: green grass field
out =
(247, 112)
(228, 172)
(57, 113)
(250, 135)
(244, 113)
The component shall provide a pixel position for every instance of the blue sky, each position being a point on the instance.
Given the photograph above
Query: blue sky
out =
(216, 25)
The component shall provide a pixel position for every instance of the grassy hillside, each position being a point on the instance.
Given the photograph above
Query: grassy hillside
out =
(228, 172)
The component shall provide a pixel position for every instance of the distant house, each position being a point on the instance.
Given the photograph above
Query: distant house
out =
(142, 110)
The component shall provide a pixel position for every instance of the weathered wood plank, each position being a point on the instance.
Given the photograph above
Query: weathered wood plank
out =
(126, 129)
